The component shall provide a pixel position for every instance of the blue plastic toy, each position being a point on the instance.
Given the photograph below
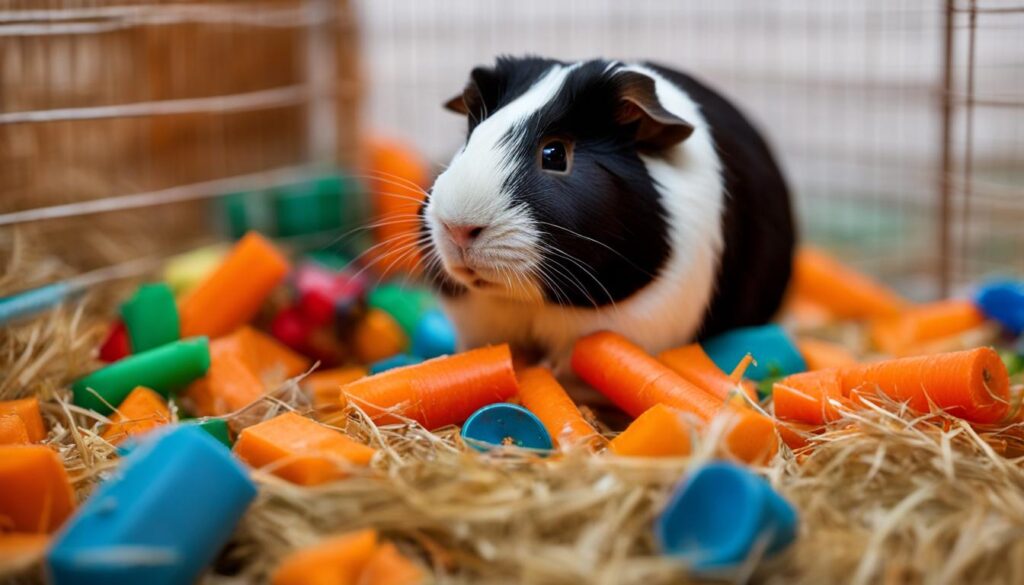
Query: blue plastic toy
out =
(395, 361)
(433, 336)
(774, 352)
(1003, 301)
(720, 515)
(160, 520)
(505, 424)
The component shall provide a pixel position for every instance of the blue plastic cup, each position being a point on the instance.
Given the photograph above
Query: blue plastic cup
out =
(721, 515)
(773, 349)
(504, 424)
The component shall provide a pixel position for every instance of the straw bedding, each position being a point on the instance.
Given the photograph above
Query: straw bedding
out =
(884, 497)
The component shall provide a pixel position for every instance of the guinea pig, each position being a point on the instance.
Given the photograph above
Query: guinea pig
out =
(604, 195)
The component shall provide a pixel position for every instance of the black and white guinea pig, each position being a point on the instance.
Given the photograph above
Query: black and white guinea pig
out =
(604, 195)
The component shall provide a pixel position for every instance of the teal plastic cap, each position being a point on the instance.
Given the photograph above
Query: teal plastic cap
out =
(504, 424)
(773, 349)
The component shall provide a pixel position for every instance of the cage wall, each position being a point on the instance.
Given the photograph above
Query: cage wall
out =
(849, 92)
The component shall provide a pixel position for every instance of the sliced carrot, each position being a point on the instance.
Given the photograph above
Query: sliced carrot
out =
(821, 355)
(334, 561)
(324, 386)
(844, 291)
(542, 395)
(808, 397)
(378, 336)
(387, 566)
(796, 435)
(635, 381)
(228, 385)
(271, 361)
(661, 431)
(18, 549)
(300, 450)
(693, 364)
(438, 392)
(142, 411)
(973, 385)
(899, 334)
(12, 430)
(35, 492)
(230, 296)
(28, 410)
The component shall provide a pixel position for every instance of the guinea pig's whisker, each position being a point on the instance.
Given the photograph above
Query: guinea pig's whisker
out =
(392, 179)
(573, 281)
(598, 242)
(586, 270)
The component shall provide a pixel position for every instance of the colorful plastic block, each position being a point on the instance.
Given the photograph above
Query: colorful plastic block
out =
(395, 361)
(35, 492)
(720, 515)
(773, 349)
(184, 271)
(116, 345)
(160, 520)
(216, 428)
(151, 317)
(405, 305)
(166, 369)
(1003, 301)
(505, 424)
(433, 336)
(12, 430)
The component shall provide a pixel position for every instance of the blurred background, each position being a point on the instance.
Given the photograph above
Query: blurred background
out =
(900, 123)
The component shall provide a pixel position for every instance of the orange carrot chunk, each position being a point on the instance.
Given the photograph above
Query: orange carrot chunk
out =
(844, 291)
(387, 566)
(230, 296)
(142, 411)
(898, 335)
(805, 397)
(35, 492)
(692, 363)
(228, 385)
(300, 450)
(542, 395)
(334, 561)
(12, 430)
(821, 355)
(271, 361)
(28, 410)
(661, 431)
(635, 381)
(323, 386)
(377, 336)
(796, 435)
(438, 392)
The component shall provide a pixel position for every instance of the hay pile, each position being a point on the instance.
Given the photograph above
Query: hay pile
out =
(884, 497)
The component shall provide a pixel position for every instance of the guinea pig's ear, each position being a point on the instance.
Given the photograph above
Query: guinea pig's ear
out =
(657, 128)
(479, 95)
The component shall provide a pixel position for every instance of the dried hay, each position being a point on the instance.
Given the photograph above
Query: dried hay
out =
(884, 496)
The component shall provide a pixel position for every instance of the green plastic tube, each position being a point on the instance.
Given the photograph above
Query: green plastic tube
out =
(151, 317)
(216, 427)
(406, 305)
(166, 369)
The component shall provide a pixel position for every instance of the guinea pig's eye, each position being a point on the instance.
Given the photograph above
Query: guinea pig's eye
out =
(554, 157)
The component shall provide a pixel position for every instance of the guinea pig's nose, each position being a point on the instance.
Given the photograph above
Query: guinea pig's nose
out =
(464, 235)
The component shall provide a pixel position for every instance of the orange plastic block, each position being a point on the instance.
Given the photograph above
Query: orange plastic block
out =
(661, 431)
(35, 492)
(300, 450)
(378, 336)
(387, 566)
(28, 410)
(142, 411)
(19, 549)
(228, 385)
(271, 361)
(325, 386)
(231, 296)
(12, 430)
(335, 561)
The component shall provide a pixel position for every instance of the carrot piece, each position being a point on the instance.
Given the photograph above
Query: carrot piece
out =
(272, 361)
(339, 560)
(28, 410)
(796, 435)
(635, 381)
(35, 492)
(228, 385)
(438, 392)
(804, 397)
(12, 430)
(324, 385)
(20, 549)
(398, 183)
(693, 364)
(230, 296)
(142, 411)
(378, 336)
(542, 395)
(300, 450)
(387, 566)
(844, 291)
(898, 335)
(661, 431)
(821, 355)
